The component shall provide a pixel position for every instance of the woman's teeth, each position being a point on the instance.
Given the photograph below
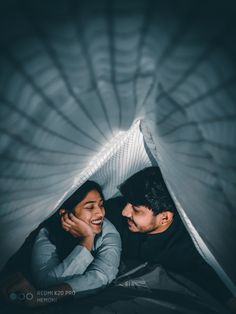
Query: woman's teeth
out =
(96, 222)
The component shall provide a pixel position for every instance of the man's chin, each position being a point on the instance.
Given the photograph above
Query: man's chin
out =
(132, 227)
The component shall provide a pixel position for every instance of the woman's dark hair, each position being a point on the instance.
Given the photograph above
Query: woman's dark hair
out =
(80, 194)
(63, 240)
(147, 188)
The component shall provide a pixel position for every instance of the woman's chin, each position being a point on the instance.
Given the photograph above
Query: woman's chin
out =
(96, 228)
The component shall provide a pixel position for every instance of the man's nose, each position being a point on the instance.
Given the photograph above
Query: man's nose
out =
(127, 211)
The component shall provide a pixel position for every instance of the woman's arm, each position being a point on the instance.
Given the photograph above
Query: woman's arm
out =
(80, 270)
(48, 270)
(102, 271)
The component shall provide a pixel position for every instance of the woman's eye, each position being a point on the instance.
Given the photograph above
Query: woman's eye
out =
(89, 208)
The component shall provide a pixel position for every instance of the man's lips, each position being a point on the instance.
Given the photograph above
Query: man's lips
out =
(130, 222)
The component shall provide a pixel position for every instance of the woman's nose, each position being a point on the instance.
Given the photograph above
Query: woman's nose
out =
(127, 211)
(99, 211)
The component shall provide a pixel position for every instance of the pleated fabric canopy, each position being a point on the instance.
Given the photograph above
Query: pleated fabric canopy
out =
(102, 89)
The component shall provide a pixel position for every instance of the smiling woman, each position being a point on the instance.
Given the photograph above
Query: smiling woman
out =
(91, 210)
(76, 251)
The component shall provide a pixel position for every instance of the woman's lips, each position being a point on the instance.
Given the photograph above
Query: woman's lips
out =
(97, 221)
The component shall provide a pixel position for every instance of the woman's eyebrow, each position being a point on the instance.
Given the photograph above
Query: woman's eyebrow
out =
(92, 202)
(89, 202)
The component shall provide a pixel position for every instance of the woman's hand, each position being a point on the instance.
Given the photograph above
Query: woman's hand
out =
(78, 228)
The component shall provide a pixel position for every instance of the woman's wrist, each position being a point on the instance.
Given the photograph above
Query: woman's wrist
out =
(87, 242)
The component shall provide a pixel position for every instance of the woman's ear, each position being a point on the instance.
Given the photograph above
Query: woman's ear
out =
(62, 211)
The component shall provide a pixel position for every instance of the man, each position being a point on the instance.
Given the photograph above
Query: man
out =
(152, 231)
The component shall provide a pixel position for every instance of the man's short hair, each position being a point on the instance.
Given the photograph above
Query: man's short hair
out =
(147, 188)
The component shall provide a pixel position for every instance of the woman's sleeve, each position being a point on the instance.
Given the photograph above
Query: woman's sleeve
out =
(102, 270)
(48, 270)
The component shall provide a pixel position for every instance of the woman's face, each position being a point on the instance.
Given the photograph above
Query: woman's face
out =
(91, 211)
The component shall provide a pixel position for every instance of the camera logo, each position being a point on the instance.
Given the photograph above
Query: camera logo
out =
(14, 296)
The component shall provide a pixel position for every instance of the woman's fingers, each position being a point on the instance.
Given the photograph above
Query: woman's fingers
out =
(66, 223)
(66, 220)
(75, 234)
(77, 221)
(74, 219)
(71, 220)
(66, 228)
(81, 226)
(76, 226)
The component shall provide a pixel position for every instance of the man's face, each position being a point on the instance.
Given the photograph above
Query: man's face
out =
(91, 211)
(142, 219)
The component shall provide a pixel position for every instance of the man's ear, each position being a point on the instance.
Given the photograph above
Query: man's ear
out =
(167, 217)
